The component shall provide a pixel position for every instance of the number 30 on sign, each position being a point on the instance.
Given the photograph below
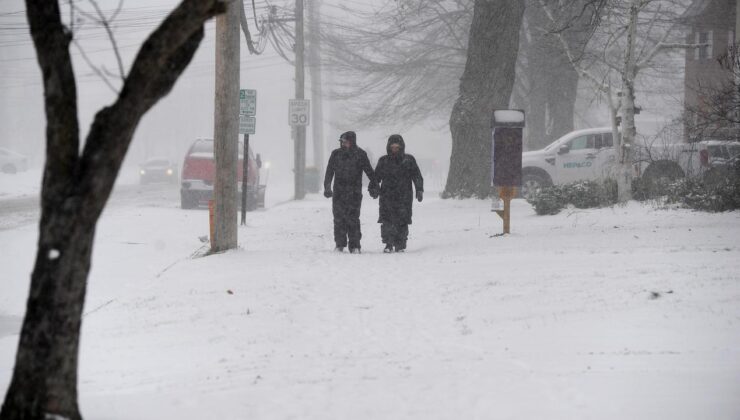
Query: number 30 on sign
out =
(298, 112)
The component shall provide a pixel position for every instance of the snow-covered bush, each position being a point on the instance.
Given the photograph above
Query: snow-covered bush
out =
(547, 200)
(580, 194)
(718, 190)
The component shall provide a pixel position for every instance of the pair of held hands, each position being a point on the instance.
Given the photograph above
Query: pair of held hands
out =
(374, 193)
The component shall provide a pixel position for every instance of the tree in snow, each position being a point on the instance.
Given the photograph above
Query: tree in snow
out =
(486, 84)
(76, 185)
(405, 66)
(632, 33)
(546, 83)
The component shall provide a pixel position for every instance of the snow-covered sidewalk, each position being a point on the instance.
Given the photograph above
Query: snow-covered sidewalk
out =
(624, 313)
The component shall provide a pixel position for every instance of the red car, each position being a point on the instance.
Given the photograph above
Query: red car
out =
(198, 173)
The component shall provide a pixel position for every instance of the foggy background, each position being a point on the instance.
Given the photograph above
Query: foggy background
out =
(187, 112)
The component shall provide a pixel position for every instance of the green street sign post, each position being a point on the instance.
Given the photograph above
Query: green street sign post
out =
(247, 126)
(248, 102)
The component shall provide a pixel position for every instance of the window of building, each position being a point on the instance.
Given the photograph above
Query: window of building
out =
(730, 38)
(704, 40)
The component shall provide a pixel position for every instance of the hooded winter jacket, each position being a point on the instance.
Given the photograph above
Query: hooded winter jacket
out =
(346, 166)
(395, 174)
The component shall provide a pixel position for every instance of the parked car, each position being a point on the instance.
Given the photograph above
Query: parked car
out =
(578, 155)
(719, 152)
(684, 159)
(12, 162)
(198, 174)
(590, 155)
(157, 170)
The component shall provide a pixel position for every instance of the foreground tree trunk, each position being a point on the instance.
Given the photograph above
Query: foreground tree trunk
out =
(74, 192)
(486, 84)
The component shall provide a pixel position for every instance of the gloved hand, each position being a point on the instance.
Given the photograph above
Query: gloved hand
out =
(374, 192)
(327, 193)
(420, 195)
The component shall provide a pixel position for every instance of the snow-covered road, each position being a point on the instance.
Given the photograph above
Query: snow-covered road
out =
(630, 312)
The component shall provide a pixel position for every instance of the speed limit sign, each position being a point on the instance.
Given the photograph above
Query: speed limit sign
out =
(298, 112)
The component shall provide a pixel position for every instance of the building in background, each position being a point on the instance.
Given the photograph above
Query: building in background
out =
(711, 93)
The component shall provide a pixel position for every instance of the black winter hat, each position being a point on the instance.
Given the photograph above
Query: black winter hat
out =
(349, 135)
(395, 139)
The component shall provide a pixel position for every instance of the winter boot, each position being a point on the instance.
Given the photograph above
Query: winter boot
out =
(339, 249)
(388, 248)
(401, 247)
(355, 251)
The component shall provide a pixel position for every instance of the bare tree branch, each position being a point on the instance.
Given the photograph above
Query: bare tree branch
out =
(100, 73)
(245, 29)
(105, 22)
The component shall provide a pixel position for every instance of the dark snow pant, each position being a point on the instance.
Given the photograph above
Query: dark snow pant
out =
(346, 210)
(395, 234)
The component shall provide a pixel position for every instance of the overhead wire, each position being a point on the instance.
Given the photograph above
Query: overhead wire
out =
(130, 22)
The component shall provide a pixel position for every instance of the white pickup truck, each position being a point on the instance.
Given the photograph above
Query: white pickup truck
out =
(590, 155)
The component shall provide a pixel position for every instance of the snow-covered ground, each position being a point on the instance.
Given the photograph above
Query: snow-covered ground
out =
(21, 184)
(27, 184)
(623, 313)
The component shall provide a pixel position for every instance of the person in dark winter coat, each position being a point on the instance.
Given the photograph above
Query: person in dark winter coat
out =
(345, 167)
(395, 173)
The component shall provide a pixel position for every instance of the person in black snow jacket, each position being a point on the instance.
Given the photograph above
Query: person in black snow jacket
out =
(345, 166)
(395, 173)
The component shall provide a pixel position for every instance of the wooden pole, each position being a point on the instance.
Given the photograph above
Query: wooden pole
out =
(300, 139)
(506, 194)
(226, 129)
(314, 67)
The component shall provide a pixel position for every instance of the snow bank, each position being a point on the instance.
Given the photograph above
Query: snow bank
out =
(20, 184)
(617, 313)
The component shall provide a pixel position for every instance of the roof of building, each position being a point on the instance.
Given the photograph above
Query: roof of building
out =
(696, 8)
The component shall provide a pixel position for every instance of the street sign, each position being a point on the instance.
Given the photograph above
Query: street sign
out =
(247, 125)
(298, 112)
(248, 102)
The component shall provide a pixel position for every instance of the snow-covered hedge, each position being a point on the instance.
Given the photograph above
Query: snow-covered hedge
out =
(580, 194)
(718, 190)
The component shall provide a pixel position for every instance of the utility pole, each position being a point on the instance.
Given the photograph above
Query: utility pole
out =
(314, 66)
(300, 138)
(226, 129)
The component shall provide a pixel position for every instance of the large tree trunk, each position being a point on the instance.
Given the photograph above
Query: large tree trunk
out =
(562, 89)
(552, 79)
(536, 102)
(486, 84)
(74, 191)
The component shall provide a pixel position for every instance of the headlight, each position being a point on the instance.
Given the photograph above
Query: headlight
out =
(169, 171)
(142, 172)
